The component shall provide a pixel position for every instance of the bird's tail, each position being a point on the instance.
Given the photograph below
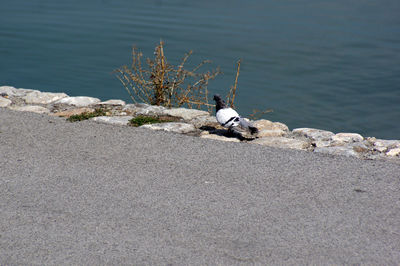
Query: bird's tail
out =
(247, 125)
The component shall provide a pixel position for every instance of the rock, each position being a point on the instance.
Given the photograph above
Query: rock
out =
(143, 109)
(313, 134)
(176, 127)
(186, 114)
(394, 152)
(114, 120)
(347, 137)
(31, 108)
(337, 150)
(79, 101)
(282, 142)
(11, 91)
(76, 111)
(218, 137)
(383, 145)
(204, 121)
(271, 133)
(264, 124)
(113, 103)
(4, 102)
(37, 97)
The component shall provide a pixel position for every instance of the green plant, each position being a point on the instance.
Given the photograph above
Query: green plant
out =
(142, 120)
(161, 83)
(86, 115)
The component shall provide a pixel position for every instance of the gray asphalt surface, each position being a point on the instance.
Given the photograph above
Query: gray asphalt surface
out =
(86, 193)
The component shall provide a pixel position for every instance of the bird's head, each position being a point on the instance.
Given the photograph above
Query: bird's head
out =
(217, 98)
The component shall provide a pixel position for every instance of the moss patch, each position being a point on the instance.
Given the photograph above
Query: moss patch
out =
(87, 115)
(143, 120)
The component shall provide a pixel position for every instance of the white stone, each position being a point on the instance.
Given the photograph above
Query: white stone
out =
(11, 91)
(113, 102)
(186, 114)
(114, 120)
(218, 137)
(176, 127)
(282, 142)
(31, 108)
(337, 150)
(393, 152)
(264, 124)
(383, 145)
(313, 133)
(37, 97)
(347, 137)
(143, 109)
(4, 102)
(79, 101)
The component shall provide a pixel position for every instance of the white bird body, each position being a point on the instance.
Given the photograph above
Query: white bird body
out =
(229, 118)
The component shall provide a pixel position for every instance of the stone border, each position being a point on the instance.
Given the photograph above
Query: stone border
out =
(202, 124)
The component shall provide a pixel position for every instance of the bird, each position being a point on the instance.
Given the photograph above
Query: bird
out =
(229, 118)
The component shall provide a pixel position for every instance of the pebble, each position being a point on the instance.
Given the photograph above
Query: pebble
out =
(337, 150)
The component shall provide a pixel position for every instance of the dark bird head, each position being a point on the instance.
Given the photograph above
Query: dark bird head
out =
(219, 103)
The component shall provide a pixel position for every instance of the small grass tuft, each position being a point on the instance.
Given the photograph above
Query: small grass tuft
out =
(87, 115)
(143, 120)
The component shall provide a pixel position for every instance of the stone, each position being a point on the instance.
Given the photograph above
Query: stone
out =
(338, 150)
(113, 103)
(347, 137)
(143, 109)
(394, 152)
(204, 121)
(264, 124)
(282, 142)
(79, 101)
(76, 111)
(31, 108)
(218, 137)
(4, 102)
(114, 120)
(37, 97)
(271, 133)
(313, 133)
(11, 91)
(186, 114)
(383, 145)
(176, 127)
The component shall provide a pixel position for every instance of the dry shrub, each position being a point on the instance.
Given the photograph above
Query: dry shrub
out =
(160, 83)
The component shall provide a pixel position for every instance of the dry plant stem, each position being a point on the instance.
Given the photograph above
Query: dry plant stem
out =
(232, 92)
(161, 83)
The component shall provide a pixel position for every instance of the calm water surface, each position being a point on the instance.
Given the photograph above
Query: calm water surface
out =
(332, 65)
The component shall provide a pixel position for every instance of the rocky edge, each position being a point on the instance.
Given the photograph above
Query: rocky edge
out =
(202, 124)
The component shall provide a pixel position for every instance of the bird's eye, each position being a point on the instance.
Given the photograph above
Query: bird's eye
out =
(236, 119)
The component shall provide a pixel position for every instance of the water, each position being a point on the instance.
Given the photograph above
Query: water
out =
(333, 65)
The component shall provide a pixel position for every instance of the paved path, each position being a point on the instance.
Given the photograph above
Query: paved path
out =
(90, 194)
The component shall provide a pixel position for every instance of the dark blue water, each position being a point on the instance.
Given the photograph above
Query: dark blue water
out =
(332, 65)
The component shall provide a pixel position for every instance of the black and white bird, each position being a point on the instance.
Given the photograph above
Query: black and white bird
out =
(229, 118)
